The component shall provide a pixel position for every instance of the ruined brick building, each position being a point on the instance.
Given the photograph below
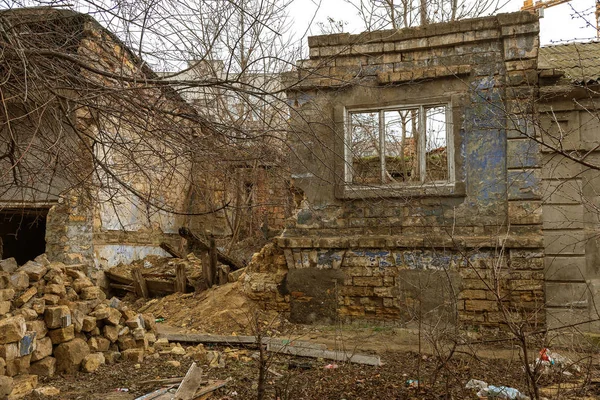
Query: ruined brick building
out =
(449, 172)
(81, 177)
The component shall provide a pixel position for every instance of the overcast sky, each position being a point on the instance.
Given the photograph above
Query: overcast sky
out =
(565, 22)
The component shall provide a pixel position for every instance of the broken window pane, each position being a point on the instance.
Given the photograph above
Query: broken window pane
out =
(436, 157)
(364, 148)
(401, 145)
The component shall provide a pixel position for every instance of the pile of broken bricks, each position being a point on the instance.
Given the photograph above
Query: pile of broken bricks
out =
(53, 319)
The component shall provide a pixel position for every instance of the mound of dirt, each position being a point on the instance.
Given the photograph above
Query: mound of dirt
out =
(220, 310)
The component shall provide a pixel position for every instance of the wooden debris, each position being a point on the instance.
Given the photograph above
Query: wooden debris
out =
(203, 246)
(160, 394)
(169, 249)
(232, 340)
(210, 388)
(180, 278)
(190, 384)
(139, 283)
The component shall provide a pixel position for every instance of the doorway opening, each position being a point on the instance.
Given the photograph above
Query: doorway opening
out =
(23, 233)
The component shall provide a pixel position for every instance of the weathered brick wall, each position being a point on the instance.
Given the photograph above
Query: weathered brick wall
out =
(390, 240)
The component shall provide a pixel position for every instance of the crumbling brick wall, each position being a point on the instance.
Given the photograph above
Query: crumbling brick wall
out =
(471, 245)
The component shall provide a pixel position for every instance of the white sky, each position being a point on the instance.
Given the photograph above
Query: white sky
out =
(565, 22)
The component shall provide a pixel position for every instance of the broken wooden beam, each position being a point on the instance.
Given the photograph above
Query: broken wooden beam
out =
(171, 250)
(200, 244)
(180, 278)
(190, 384)
(139, 283)
(210, 388)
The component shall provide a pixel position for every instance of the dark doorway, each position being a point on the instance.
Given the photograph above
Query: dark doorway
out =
(23, 233)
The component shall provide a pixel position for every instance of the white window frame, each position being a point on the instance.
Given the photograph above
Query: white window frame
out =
(422, 143)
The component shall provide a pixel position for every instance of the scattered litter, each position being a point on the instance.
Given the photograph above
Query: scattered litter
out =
(549, 359)
(501, 392)
(486, 391)
(476, 384)
(159, 320)
(331, 366)
(122, 390)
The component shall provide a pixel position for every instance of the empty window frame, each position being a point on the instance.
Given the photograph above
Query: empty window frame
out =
(399, 145)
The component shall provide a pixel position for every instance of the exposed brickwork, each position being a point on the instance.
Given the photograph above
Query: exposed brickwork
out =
(473, 245)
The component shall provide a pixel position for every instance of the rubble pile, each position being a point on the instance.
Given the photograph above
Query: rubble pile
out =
(53, 319)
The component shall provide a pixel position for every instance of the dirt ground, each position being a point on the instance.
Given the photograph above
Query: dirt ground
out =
(313, 381)
(224, 310)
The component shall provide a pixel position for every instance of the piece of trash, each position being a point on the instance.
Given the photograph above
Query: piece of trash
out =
(159, 320)
(501, 392)
(476, 384)
(331, 366)
(549, 358)
(121, 390)
(412, 383)
(234, 393)
(299, 365)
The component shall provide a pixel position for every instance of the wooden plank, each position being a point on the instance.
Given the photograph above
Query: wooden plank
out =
(139, 283)
(157, 394)
(200, 245)
(170, 249)
(240, 340)
(190, 384)
(341, 356)
(180, 278)
(210, 388)
(212, 254)
(118, 286)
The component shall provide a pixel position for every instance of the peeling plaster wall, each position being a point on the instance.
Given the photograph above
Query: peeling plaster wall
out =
(376, 253)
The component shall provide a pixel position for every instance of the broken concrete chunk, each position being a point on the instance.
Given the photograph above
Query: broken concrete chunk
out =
(114, 316)
(88, 324)
(38, 326)
(35, 271)
(77, 319)
(26, 296)
(42, 350)
(19, 365)
(42, 259)
(81, 283)
(69, 355)
(12, 329)
(57, 317)
(149, 322)
(44, 367)
(4, 307)
(9, 265)
(112, 357)
(139, 333)
(9, 351)
(51, 299)
(27, 344)
(136, 322)
(27, 313)
(111, 332)
(19, 280)
(7, 294)
(38, 305)
(92, 362)
(71, 294)
(91, 293)
(135, 355)
(6, 386)
(23, 385)
(58, 290)
(4, 280)
(61, 335)
(76, 271)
